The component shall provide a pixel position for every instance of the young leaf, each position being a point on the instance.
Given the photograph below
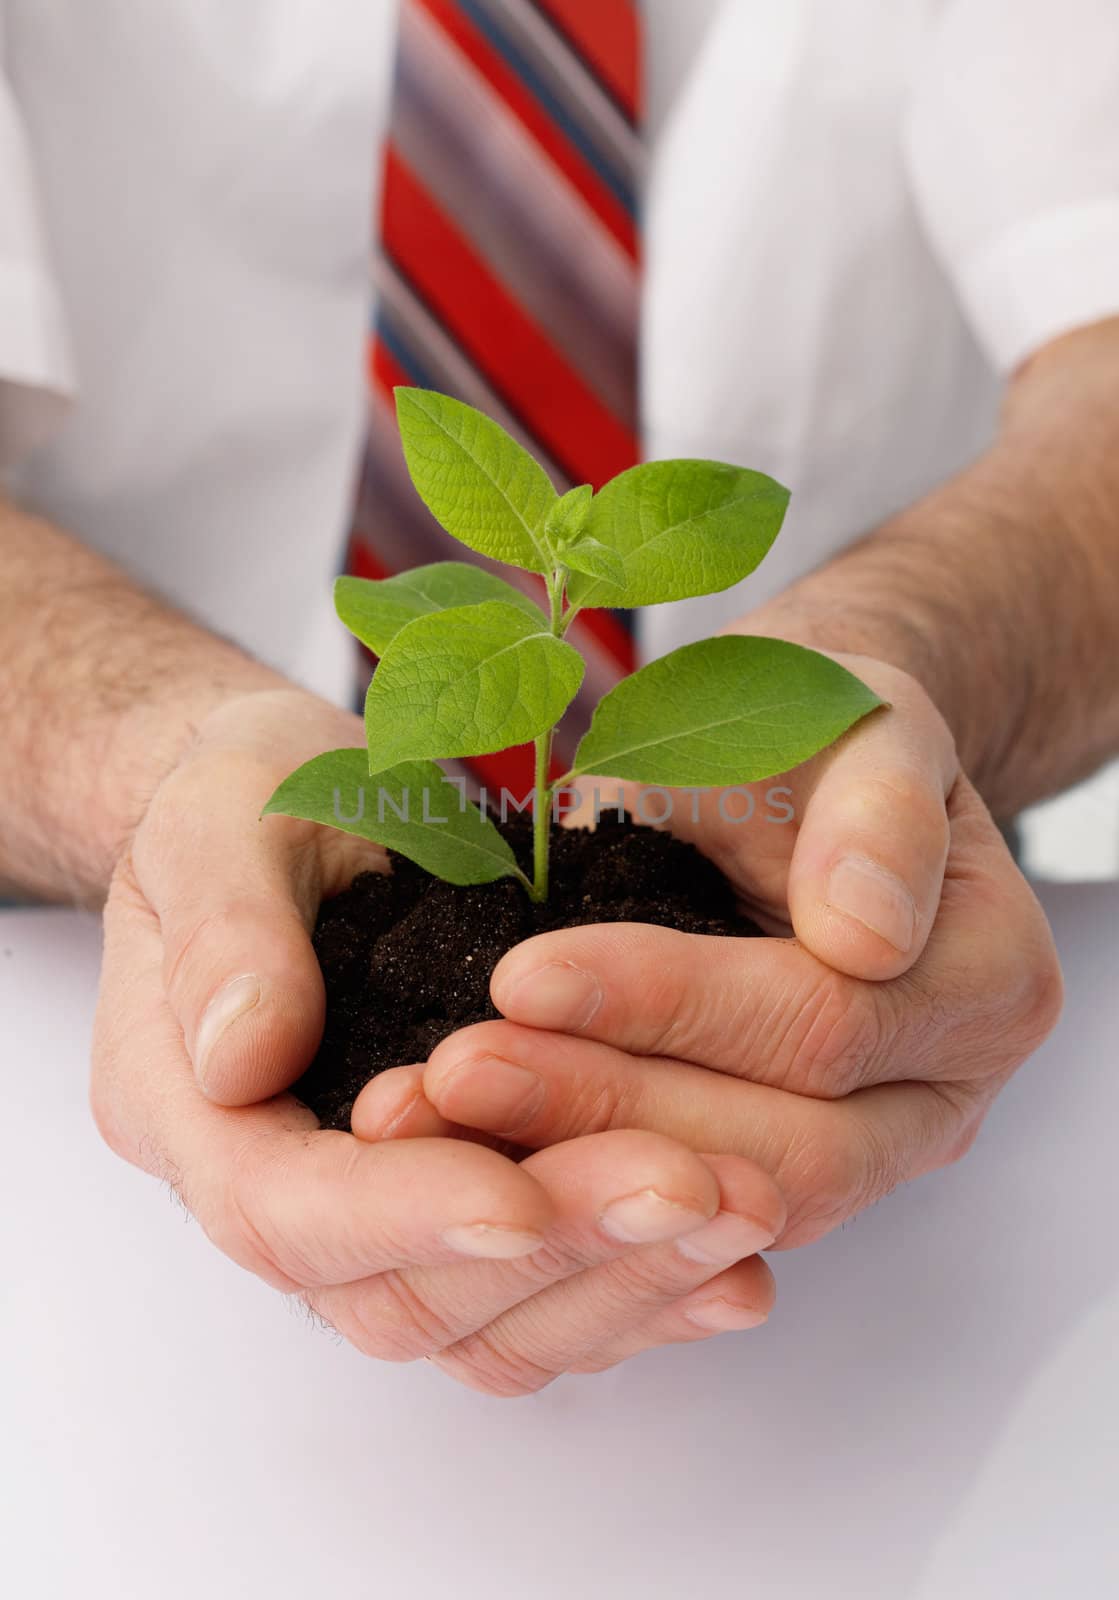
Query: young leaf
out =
(476, 480)
(565, 520)
(596, 560)
(723, 711)
(466, 681)
(411, 809)
(375, 609)
(682, 528)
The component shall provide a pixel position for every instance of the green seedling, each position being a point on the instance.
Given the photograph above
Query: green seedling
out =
(469, 664)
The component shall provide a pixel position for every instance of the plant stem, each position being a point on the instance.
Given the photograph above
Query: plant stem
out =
(542, 790)
(541, 817)
(555, 600)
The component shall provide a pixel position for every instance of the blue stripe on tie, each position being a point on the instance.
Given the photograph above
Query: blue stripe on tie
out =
(616, 182)
(402, 353)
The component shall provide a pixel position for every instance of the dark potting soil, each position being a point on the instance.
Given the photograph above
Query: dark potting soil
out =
(407, 958)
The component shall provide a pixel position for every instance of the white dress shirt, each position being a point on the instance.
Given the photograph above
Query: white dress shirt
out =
(861, 215)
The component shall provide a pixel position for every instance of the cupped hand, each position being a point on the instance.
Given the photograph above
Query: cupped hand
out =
(861, 1051)
(211, 1004)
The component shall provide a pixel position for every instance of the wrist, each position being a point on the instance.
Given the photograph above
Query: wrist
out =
(150, 738)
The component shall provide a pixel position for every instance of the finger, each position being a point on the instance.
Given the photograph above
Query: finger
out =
(829, 1158)
(544, 1334)
(559, 1331)
(399, 1109)
(761, 1008)
(868, 863)
(741, 1297)
(236, 899)
(610, 1195)
(289, 1201)
(393, 1106)
(984, 994)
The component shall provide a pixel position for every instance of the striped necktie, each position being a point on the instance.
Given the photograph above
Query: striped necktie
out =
(507, 273)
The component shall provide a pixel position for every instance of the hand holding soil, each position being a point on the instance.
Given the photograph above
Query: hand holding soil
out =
(211, 1002)
(858, 1054)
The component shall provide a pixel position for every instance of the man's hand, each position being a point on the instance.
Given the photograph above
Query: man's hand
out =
(211, 1002)
(859, 1053)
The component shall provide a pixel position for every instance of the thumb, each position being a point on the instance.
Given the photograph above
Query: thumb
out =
(867, 868)
(236, 900)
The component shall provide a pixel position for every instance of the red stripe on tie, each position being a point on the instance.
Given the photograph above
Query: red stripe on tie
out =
(384, 370)
(605, 34)
(521, 362)
(363, 562)
(512, 770)
(534, 119)
(608, 632)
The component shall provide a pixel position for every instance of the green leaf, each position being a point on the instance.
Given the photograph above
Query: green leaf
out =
(723, 711)
(682, 528)
(476, 480)
(565, 520)
(411, 809)
(466, 681)
(375, 609)
(597, 561)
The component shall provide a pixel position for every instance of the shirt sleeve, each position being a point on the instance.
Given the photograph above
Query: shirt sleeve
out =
(1013, 151)
(36, 370)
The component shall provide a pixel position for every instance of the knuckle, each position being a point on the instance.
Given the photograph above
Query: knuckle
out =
(842, 1161)
(597, 1104)
(1022, 1003)
(486, 1361)
(1043, 996)
(904, 793)
(966, 1137)
(832, 1037)
(877, 1164)
(219, 929)
(675, 1002)
(391, 1321)
(901, 799)
(643, 1278)
(952, 1115)
(284, 1207)
(822, 1179)
(562, 1253)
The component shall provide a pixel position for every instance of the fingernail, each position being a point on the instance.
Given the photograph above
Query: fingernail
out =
(555, 996)
(231, 1001)
(491, 1242)
(502, 1096)
(647, 1217)
(860, 888)
(725, 1239)
(722, 1316)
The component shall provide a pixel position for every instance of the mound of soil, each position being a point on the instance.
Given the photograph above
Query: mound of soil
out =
(407, 958)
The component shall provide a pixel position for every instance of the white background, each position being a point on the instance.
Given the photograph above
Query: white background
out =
(931, 1412)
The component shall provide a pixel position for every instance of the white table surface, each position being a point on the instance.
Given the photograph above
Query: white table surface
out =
(930, 1413)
